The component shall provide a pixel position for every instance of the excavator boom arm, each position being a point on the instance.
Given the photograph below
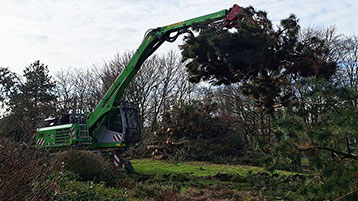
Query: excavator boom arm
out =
(150, 43)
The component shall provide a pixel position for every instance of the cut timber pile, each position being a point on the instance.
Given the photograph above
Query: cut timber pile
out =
(159, 150)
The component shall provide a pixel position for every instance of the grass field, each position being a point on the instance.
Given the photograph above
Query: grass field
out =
(156, 167)
(158, 180)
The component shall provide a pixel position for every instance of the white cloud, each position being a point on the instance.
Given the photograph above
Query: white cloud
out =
(80, 33)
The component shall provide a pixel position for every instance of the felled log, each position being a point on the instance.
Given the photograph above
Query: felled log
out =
(154, 147)
(160, 157)
(159, 154)
(177, 143)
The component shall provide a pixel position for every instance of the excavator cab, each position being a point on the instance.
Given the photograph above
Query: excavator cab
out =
(132, 120)
(122, 126)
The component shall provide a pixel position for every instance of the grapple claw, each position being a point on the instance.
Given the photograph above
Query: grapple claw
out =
(232, 16)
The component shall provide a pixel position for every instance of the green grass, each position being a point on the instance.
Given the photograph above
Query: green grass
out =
(156, 167)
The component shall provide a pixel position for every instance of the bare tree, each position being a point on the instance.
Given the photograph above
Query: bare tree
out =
(161, 81)
(78, 89)
(64, 89)
(349, 62)
(330, 42)
(242, 114)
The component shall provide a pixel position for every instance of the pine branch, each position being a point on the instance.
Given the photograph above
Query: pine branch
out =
(346, 155)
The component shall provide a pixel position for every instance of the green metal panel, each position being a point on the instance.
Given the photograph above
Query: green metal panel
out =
(55, 135)
(55, 127)
(187, 23)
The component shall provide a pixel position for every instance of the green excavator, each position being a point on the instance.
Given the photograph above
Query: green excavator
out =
(113, 123)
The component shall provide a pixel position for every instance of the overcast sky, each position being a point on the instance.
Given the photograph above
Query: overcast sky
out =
(79, 33)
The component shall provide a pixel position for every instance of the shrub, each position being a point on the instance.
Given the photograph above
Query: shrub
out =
(22, 171)
(196, 131)
(89, 166)
(76, 190)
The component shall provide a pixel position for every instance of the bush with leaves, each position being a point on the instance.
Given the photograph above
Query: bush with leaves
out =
(195, 131)
(89, 166)
(261, 58)
(28, 101)
(323, 129)
(23, 170)
(69, 189)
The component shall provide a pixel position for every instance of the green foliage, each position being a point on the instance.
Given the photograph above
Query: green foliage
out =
(337, 180)
(199, 180)
(22, 171)
(76, 190)
(317, 115)
(256, 55)
(276, 186)
(65, 185)
(38, 84)
(194, 121)
(89, 166)
(322, 128)
(8, 84)
(28, 101)
(196, 131)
